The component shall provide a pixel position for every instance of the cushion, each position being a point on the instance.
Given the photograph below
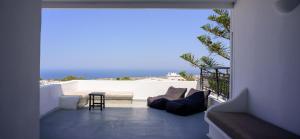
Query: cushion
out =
(151, 99)
(192, 91)
(245, 126)
(176, 93)
(120, 96)
(68, 102)
(177, 107)
(206, 94)
(84, 99)
(190, 105)
(159, 103)
(171, 94)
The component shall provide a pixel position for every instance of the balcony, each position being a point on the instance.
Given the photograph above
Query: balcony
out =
(120, 119)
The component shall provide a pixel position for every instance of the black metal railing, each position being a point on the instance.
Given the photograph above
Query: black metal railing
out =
(217, 80)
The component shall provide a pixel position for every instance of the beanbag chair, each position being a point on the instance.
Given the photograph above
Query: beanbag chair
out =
(190, 105)
(171, 94)
(206, 94)
(159, 103)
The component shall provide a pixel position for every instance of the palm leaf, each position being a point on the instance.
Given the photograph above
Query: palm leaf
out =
(191, 59)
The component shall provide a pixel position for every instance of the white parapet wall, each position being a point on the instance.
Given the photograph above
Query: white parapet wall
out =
(141, 89)
(49, 95)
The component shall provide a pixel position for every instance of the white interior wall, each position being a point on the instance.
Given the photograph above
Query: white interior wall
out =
(266, 61)
(19, 71)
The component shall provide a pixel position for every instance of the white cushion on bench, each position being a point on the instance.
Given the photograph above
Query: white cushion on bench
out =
(68, 102)
(118, 95)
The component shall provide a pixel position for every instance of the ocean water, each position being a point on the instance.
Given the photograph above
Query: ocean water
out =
(94, 74)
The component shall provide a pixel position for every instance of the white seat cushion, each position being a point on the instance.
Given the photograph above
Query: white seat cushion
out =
(118, 95)
(84, 99)
(69, 102)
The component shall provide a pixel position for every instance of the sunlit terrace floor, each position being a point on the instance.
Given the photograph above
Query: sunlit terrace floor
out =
(114, 122)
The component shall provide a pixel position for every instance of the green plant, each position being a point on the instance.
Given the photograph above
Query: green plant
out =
(204, 61)
(217, 30)
(223, 85)
(123, 78)
(69, 78)
(187, 76)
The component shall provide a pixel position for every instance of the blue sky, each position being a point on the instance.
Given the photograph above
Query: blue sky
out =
(129, 39)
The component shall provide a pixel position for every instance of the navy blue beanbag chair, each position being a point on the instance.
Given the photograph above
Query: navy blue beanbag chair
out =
(190, 105)
(159, 103)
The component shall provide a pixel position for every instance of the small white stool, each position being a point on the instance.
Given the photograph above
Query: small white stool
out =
(69, 101)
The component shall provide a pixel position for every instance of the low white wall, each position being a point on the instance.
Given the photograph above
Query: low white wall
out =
(69, 87)
(49, 98)
(141, 89)
(49, 95)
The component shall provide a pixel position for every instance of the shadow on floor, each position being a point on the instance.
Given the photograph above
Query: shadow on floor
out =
(121, 123)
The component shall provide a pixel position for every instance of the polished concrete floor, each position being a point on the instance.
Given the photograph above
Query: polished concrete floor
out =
(121, 123)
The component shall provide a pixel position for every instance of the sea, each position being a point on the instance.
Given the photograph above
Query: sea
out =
(95, 74)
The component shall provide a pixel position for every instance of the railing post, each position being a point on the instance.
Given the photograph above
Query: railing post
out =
(218, 84)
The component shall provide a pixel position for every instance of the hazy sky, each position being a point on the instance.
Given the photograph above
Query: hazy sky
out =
(137, 39)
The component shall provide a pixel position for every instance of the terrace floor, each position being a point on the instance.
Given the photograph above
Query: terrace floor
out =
(122, 123)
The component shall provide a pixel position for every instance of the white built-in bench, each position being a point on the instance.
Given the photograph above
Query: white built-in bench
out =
(78, 99)
(115, 95)
(232, 120)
